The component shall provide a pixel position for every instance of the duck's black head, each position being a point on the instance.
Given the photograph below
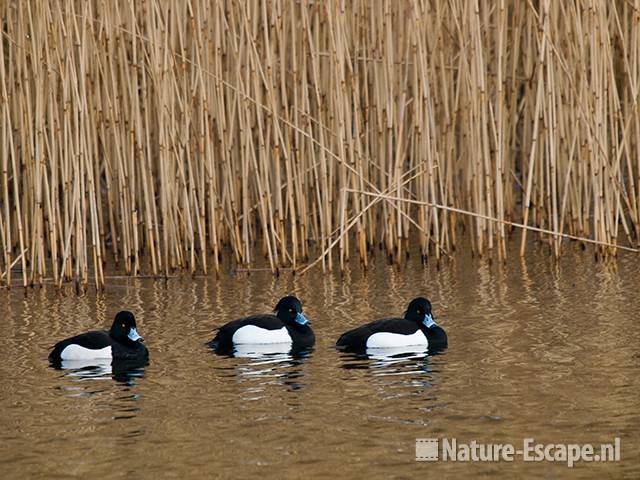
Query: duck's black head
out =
(419, 310)
(289, 310)
(124, 328)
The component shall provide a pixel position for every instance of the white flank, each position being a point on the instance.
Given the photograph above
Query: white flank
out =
(395, 340)
(250, 334)
(76, 352)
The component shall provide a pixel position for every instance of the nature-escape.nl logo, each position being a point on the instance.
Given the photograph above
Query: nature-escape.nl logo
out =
(451, 450)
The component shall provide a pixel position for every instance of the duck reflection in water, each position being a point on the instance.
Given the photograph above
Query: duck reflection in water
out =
(126, 372)
(393, 368)
(382, 358)
(269, 364)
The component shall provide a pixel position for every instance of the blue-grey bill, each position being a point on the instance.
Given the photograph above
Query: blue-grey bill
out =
(429, 321)
(301, 319)
(133, 335)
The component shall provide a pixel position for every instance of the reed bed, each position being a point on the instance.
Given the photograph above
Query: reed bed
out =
(161, 135)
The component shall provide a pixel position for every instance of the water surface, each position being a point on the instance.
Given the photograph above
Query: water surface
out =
(537, 349)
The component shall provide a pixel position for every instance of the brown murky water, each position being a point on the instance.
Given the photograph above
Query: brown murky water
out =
(537, 349)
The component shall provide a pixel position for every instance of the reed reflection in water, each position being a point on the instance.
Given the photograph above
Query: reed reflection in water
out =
(537, 349)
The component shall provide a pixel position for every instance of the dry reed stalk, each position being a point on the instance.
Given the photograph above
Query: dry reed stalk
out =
(496, 220)
(158, 135)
